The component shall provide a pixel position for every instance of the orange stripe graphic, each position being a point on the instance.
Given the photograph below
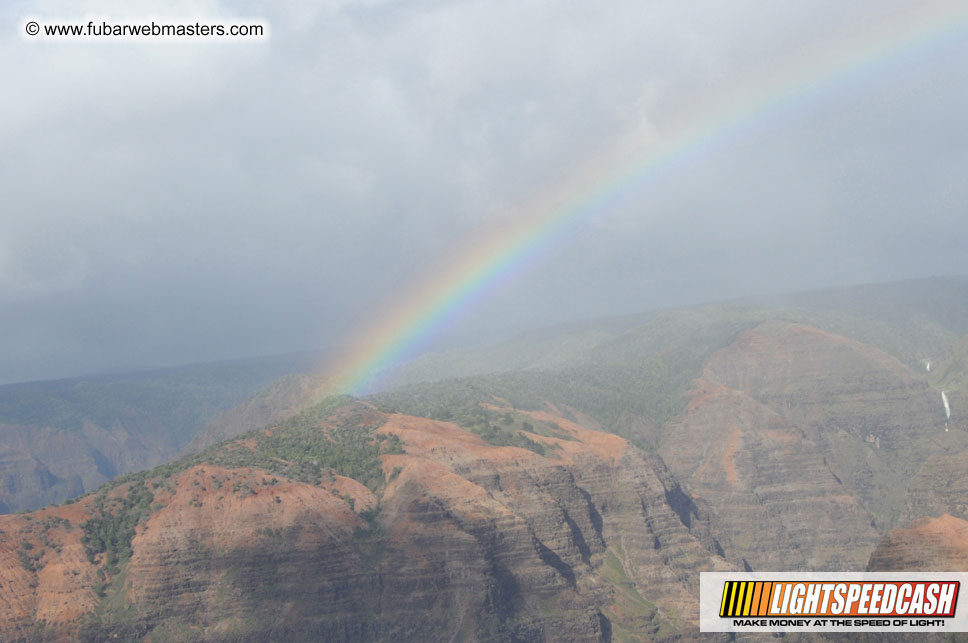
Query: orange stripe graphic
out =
(757, 589)
(765, 604)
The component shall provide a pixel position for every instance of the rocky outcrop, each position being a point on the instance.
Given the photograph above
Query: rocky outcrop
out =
(806, 447)
(927, 545)
(873, 420)
(592, 541)
(775, 503)
(930, 544)
(797, 450)
(592, 527)
(45, 576)
(940, 486)
(234, 551)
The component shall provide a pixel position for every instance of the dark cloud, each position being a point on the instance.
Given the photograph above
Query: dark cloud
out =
(168, 203)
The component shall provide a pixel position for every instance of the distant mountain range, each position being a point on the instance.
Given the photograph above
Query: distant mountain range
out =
(62, 438)
(567, 485)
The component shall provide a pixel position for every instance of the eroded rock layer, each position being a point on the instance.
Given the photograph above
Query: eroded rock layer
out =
(591, 541)
(930, 544)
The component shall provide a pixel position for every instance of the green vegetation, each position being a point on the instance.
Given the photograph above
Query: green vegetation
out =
(633, 376)
(369, 543)
(312, 443)
(114, 618)
(299, 450)
(627, 400)
(951, 371)
(633, 617)
(453, 403)
(632, 383)
(332, 437)
(336, 436)
(911, 320)
(30, 559)
(53, 522)
(112, 527)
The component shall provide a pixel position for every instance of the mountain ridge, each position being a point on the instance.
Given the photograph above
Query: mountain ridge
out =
(561, 542)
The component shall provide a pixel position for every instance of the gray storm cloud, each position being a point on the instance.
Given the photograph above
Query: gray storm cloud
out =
(169, 203)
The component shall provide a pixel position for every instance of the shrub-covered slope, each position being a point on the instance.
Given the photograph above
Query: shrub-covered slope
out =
(347, 523)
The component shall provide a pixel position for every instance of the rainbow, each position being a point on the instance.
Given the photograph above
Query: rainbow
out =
(471, 271)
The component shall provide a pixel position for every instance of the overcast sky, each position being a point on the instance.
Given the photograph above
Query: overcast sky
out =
(166, 203)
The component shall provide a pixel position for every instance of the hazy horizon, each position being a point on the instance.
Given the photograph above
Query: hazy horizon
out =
(313, 359)
(176, 203)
